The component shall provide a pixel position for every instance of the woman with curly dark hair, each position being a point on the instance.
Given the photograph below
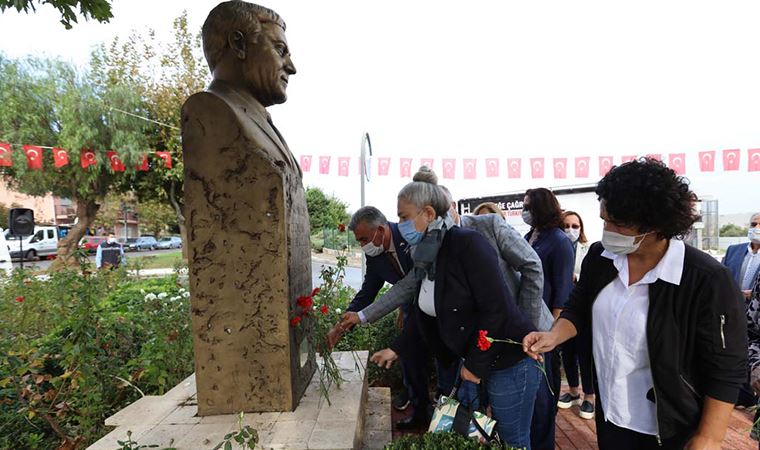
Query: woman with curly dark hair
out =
(542, 212)
(668, 329)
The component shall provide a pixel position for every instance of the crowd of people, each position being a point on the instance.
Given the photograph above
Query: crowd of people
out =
(651, 332)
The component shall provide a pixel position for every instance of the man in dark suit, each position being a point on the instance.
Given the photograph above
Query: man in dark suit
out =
(388, 260)
(743, 260)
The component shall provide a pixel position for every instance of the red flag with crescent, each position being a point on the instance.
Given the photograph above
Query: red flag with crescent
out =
(560, 167)
(116, 163)
(449, 168)
(707, 161)
(628, 158)
(537, 167)
(753, 160)
(383, 164)
(343, 162)
(731, 159)
(306, 163)
(144, 165)
(87, 158)
(581, 166)
(60, 157)
(427, 162)
(677, 162)
(605, 164)
(406, 167)
(514, 167)
(470, 171)
(5, 155)
(656, 156)
(167, 157)
(33, 156)
(324, 165)
(492, 167)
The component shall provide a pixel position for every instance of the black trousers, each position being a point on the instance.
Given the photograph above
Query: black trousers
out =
(576, 353)
(613, 437)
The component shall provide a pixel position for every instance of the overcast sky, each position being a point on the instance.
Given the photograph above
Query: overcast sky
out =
(489, 79)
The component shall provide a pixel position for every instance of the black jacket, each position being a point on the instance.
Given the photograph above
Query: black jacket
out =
(696, 334)
(470, 295)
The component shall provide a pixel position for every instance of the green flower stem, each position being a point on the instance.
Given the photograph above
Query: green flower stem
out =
(541, 365)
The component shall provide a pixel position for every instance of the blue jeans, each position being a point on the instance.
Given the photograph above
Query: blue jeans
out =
(512, 395)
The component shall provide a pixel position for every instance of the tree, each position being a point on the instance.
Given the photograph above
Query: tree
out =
(99, 10)
(731, 230)
(155, 217)
(325, 211)
(48, 102)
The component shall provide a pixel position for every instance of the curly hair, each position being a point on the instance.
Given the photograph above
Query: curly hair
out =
(648, 195)
(545, 209)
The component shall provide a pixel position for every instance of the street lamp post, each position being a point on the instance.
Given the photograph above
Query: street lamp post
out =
(366, 146)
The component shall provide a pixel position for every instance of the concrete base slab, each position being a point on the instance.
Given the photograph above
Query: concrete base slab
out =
(171, 420)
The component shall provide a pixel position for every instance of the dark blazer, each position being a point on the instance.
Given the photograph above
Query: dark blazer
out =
(470, 295)
(696, 334)
(558, 260)
(734, 258)
(380, 269)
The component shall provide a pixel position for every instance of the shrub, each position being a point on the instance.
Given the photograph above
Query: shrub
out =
(436, 441)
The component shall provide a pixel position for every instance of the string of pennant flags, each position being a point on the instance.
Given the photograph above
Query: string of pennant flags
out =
(34, 158)
(537, 167)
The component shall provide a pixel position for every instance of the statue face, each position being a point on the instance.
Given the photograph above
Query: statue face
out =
(268, 66)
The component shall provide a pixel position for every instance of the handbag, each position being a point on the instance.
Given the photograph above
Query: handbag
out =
(450, 415)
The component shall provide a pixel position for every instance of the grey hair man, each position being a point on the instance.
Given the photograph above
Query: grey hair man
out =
(519, 263)
(743, 260)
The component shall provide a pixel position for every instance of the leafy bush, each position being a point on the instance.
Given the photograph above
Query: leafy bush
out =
(436, 441)
(76, 348)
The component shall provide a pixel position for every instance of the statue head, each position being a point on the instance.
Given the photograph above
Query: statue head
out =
(245, 45)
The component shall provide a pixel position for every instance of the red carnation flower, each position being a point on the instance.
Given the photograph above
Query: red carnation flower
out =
(341, 228)
(20, 299)
(323, 309)
(484, 342)
(295, 321)
(315, 292)
(305, 302)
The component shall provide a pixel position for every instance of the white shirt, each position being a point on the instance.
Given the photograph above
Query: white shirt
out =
(427, 297)
(620, 347)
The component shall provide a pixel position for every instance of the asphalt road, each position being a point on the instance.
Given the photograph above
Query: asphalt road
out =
(44, 264)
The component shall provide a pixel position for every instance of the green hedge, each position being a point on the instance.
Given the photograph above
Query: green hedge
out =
(436, 441)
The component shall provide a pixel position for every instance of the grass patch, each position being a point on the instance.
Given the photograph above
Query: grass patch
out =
(166, 260)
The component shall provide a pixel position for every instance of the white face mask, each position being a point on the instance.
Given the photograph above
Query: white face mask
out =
(111, 240)
(573, 233)
(370, 249)
(753, 234)
(620, 244)
(527, 217)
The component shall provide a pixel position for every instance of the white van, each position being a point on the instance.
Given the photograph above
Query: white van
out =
(5, 256)
(44, 242)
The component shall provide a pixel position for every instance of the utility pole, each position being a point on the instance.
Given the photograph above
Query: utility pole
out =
(366, 165)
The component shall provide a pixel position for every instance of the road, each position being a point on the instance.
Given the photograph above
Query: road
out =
(353, 274)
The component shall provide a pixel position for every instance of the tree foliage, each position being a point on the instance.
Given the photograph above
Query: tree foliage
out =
(325, 211)
(731, 230)
(99, 10)
(155, 217)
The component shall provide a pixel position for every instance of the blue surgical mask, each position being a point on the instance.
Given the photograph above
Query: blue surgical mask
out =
(409, 232)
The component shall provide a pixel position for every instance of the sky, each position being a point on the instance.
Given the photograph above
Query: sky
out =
(488, 79)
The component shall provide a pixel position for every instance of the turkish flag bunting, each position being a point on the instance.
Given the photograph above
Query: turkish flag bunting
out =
(492, 167)
(514, 167)
(383, 164)
(753, 160)
(731, 159)
(87, 158)
(60, 157)
(628, 158)
(117, 165)
(324, 165)
(449, 168)
(470, 172)
(677, 162)
(144, 166)
(306, 163)
(343, 165)
(656, 156)
(537, 167)
(560, 167)
(5, 155)
(406, 167)
(33, 156)
(707, 161)
(167, 157)
(581, 166)
(427, 162)
(605, 164)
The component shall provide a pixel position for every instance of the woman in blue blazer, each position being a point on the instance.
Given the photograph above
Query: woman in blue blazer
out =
(461, 293)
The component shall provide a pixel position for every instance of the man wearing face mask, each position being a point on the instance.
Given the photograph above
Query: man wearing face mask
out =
(110, 254)
(743, 260)
(668, 327)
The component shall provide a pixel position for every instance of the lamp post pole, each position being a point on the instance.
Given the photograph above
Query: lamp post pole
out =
(366, 146)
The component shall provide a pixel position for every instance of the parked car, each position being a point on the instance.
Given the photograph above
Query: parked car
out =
(129, 244)
(90, 243)
(44, 242)
(169, 242)
(5, 255)
(144, 243)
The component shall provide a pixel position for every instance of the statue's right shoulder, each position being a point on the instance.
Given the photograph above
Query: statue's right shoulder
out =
(206, 102)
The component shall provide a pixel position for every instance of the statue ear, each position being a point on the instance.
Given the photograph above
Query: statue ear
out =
(236, 41)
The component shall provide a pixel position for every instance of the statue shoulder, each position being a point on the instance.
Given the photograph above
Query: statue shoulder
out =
(206, 102)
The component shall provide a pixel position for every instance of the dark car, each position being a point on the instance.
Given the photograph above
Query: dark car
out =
(129, 244)
(144, 243)
(90, 243)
